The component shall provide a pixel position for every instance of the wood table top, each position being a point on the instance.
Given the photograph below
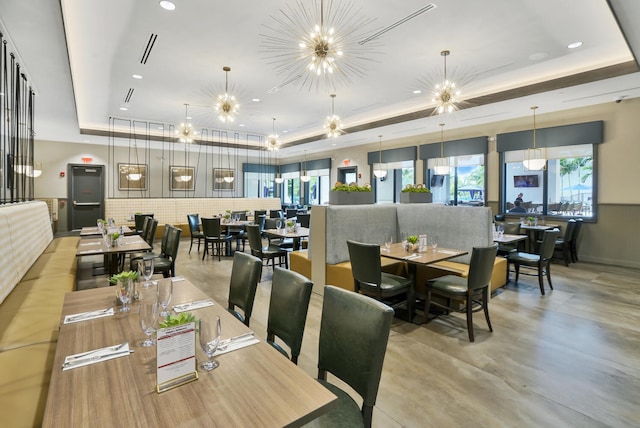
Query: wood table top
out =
(254, 386)
(93, 230)
(398, 252)
(508, 238)
(302, 232)
(94, 246)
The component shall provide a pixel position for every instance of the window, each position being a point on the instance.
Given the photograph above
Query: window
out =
(465, 183)
(565, 188)
(291, 188)
(388, 188)
(259, 185)
(318, 187)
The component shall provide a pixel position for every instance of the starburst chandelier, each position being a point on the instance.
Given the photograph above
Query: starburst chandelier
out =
(272, 143)
(445, 94)
(332, 124)
(535, 159)
(325, 42)
(185, 132)
(227, 105)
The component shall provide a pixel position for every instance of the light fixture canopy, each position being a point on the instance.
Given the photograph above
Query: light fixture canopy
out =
(305, 177)
(441, 165)
(332, 124)
(227, 106)
(379, 170)
(535, 159)
(185, 132)
(272, 143)
(445, 94)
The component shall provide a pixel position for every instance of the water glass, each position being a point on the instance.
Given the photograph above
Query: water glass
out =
(387, 243)
(165, 291)
(278, 225)
(148, 320)
(125, 293)
(145, 268)
(209, 335)
(434, 242)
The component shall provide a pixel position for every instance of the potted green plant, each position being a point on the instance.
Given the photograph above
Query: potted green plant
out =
(418, 193)
(412, 243)
(351, 194)
(173, 320)
(290, 224)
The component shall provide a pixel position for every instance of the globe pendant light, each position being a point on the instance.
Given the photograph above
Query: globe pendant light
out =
(305, 177)
(378, 169)
(441, 164)
(535, 159)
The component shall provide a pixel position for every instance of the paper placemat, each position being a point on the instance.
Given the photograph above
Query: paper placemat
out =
(85, 316)
(189, 306)
(96, 356)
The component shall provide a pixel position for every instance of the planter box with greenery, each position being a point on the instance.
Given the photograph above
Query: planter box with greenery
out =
(343, 194)
(415, 194)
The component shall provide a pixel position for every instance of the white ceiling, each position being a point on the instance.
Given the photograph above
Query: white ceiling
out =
(496, 46)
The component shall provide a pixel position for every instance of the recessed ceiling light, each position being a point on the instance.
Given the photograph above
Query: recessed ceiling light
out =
(124, 108)
(241, 125)
(167, 5)
(285, 131)
(574, 45)
(136, 76)
(417, 91)
(256, 100)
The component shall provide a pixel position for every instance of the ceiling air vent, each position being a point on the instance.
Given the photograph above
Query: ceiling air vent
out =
(283, 84)
(377, 34)
(127, 97)
(147, 49)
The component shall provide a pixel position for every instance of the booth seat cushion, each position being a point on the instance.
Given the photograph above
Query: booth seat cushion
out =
(60, 263)
(24, 384)
(66, 243)
(425, 273)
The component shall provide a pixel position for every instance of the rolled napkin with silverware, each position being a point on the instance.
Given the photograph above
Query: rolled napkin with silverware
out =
(189, 306)
(85, 316)
(96, 355)
(235, 343)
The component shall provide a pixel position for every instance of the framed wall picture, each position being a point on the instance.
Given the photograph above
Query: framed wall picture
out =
(132, 176)
(223, 179)
(182, 178)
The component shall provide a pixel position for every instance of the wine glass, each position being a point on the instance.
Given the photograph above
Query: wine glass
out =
(148, 320)
(434, 242)
(145, 268)
(209, 340)
(387, 243)
(165, 291)
(278, 225)
(125, 290)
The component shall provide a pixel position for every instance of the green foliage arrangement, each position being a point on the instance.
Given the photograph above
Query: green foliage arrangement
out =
(124, 274)
(173, 320)
(413, 239)
(418, 188)
(352, 187)
(290, 223)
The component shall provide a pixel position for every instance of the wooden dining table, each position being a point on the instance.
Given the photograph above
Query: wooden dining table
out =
(94, 230)
(96, 246)
(254, 386)
(533, 231)
(302, 232)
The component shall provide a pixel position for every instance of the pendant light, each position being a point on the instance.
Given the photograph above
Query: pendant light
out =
(441, 164)
(332, 124)
(378, 169)
(305, 177)
(535, 159)
(227, 105)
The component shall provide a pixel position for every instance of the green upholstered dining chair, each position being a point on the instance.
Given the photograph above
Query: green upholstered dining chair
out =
(194, 228)
(214, 237)
(541, 262)
(563, 243)
(268, 252)
(139, 222)
(574, 240)
(354, 331)
(473, 290)
(288, 306)
(369, 279)
(510, 228)
(165, 263)
(245, 276)
(134, 258)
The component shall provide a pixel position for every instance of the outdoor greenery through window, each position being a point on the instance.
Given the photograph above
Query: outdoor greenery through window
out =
(464, 185)
(565, 188)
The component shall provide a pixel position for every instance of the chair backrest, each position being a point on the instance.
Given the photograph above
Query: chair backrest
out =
(511, 228)
(548, 243)
(569, 231)
(270, 223)
(260, 221)
(194, 222)
(291, 213)
(481, 266)
(150, 234)
(211, 227)
(576, 230)
(365, 262)
(139, 220)
(304, 219)
(242, 215)
(276, 214)
(173, 241)
(245, 275)
(255, 241)
(165, 236)
(145, 225)
(499, 217)
(288, 306)
(354, 330)
(258, 213)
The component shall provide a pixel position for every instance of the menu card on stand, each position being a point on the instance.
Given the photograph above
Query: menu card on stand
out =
(176, 356)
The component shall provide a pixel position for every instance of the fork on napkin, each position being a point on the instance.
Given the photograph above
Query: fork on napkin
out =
(182, 307)
(235, 343)
(84, 316)
(96, 355)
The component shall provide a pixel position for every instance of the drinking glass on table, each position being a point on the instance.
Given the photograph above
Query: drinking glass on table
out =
(125, 293)
(434, 242)
(278, 225)
(148, 320)
(145, 268)
(387, 243)
(165, 291)
(209, 334)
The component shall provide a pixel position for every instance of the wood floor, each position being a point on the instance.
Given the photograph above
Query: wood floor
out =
(567, 359)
